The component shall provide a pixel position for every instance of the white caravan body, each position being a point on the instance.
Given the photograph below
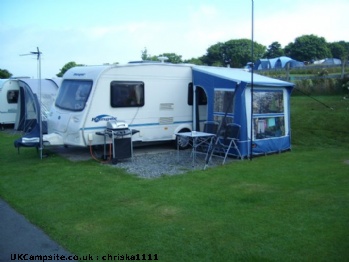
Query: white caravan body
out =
(9, 92)
(150, 97)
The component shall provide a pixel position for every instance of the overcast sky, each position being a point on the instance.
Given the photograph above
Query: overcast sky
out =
(95, 32)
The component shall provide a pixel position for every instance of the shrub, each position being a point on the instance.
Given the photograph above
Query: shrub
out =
(305, 85)
(345, 86)
(320, 86)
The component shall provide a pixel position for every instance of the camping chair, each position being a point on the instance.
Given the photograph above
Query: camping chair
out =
(212, 128)
(32, 139)
(229, 140)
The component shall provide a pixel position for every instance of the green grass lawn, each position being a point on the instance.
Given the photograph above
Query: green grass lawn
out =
(284, 207)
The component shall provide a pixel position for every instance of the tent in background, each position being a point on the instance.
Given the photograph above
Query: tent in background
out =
(262, 64)
(29, 106)
(328, 61)
(271, 107)
(284, 61)
(277, 63)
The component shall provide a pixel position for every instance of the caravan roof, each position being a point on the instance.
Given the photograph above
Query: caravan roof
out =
(93, 72)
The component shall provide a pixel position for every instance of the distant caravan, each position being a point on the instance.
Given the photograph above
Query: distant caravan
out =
(9, 93)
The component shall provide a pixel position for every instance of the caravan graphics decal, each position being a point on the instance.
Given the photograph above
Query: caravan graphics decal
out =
(103, 118)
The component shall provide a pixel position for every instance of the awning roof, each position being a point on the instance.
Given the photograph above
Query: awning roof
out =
(237, 76)
(48, 86)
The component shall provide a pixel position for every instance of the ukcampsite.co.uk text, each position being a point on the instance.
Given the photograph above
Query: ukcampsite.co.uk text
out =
(57, 257)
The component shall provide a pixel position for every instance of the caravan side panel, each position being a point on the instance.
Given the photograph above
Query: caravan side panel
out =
(163, 112)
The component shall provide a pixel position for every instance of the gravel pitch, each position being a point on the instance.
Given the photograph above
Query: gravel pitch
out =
(154, 165)
(149, 162)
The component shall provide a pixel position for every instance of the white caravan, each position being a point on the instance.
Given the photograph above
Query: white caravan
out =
(9, 92)
(153, 98)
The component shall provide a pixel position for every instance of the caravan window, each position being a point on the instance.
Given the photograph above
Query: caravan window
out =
(265, 102)
(73, 94)
(224, 101)
(223, 105)
(12, 96)
(126, 94)
(268, 114)
(266, 127)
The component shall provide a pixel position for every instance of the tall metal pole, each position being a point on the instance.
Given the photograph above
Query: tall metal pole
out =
(40, 107)
(252, 67)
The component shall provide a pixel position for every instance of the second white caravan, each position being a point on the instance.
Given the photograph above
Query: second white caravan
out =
(153, 98)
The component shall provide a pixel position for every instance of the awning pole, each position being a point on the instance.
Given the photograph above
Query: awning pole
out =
(194, 108)
(40, 107)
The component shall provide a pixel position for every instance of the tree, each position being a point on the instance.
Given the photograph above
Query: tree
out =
(340, 50)
(172, 58)
(66, 67)
(214, 55)
(195, 61)
(308, 48)
(145, 55)
(274, 50)
(234, 53)
(4, 74)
